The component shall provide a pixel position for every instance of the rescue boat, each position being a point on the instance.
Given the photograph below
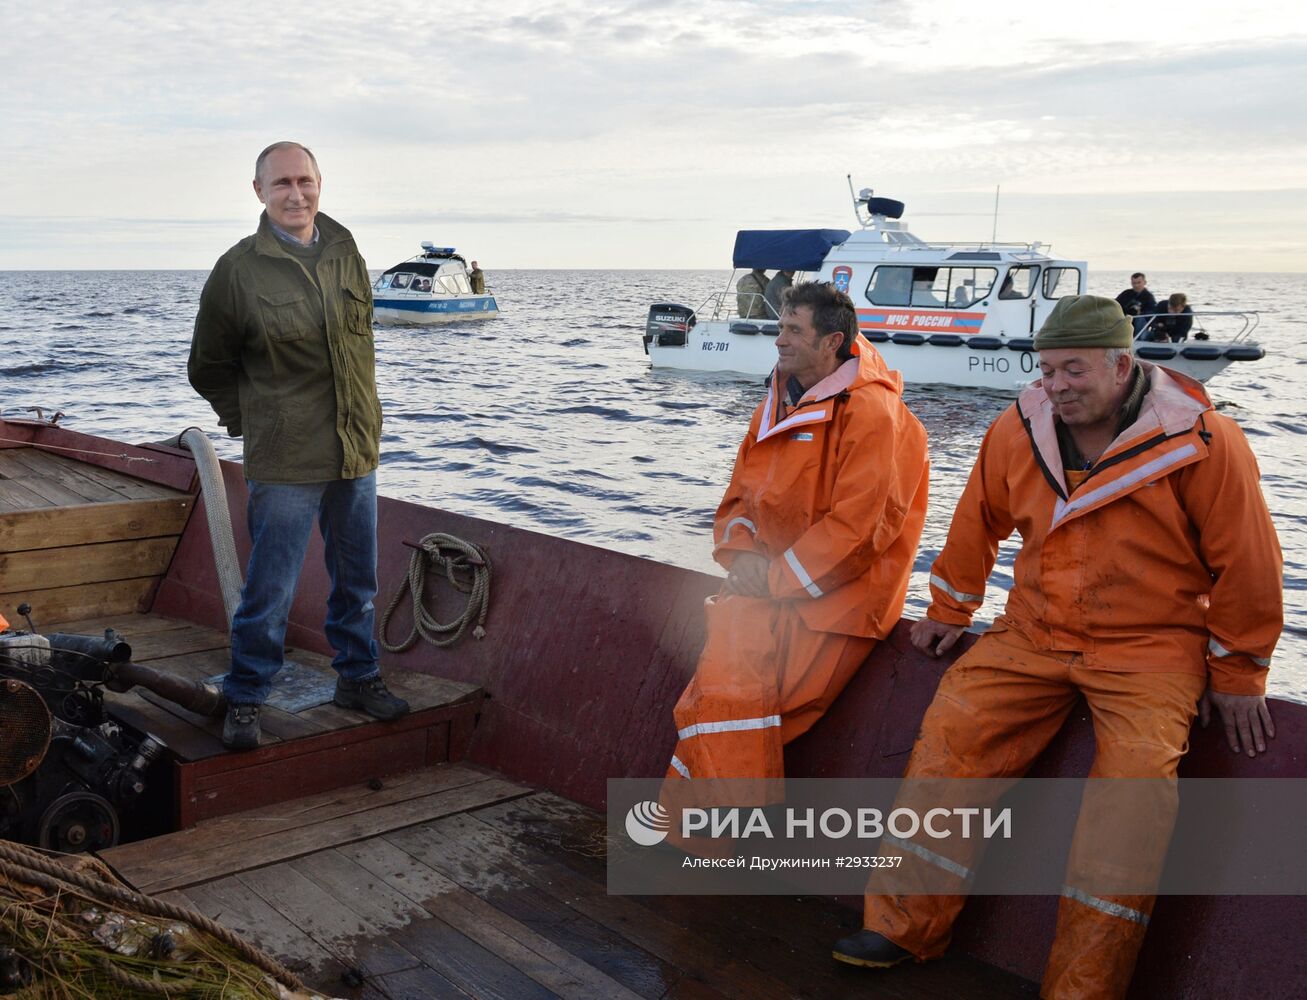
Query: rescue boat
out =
(459, 851)
(432, 287)
(950, 313)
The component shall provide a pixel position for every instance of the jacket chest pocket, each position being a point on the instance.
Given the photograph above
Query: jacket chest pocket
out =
(286, 316)
(358, 311)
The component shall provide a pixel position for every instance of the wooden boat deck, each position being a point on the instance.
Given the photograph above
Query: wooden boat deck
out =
(453, 882)
(315, 750)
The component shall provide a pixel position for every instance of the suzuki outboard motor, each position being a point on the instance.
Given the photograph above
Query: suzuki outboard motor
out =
(667, 325)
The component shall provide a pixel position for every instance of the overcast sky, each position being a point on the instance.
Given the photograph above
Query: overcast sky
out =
(1165, 136)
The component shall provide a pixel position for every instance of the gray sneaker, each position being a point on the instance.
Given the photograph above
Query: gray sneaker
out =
(370, 696)
(240, 730)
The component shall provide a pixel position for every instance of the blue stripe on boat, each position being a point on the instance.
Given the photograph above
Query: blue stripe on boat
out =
(479, 303)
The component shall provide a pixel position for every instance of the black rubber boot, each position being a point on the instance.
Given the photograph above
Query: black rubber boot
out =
(867, 948)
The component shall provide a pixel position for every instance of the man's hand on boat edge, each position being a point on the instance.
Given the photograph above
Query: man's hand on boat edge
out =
(1246, 717)
(935, 638)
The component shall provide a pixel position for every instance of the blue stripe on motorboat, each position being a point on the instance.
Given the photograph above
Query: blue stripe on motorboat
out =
(480, 303)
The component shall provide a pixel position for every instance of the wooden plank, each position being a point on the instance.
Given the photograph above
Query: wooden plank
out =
(50, 490)
(78, 564)
(455, 844)
(128, 487)
(288, 844)
(533, 954)
(11, 468)
(551, 917)
(421, 983)
(183, 739)
(84, 522)
(21, 497)
(170, 851)
(238, 908)
(177, 641)
(44, 464)
(122, 597)
(387, 752)
(133, 625)
(333, 922)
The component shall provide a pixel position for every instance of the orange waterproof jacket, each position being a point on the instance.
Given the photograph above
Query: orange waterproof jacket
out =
(833, 492)
(1163, 559)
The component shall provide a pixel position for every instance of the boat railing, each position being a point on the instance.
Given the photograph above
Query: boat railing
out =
(1222, 326)
(725, 305)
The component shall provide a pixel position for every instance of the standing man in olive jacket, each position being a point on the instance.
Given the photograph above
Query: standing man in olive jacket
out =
(283, 352)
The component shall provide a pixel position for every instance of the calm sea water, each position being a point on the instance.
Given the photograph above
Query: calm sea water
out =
(550, 418)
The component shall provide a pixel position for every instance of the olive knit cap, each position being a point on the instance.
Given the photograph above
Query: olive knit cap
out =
(1085, 321)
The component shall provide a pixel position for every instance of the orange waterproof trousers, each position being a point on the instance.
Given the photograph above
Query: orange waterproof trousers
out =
(763, 679)
(996, 709)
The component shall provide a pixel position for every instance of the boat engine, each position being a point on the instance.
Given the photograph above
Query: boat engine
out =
(667, 325)
(68, 771)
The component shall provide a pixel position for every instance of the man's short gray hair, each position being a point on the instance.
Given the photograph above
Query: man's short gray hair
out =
(1115, 354)
(285, 144)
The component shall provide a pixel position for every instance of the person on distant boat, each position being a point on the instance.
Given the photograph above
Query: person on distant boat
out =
(1137, 301)
(477, 278)
(817, 531)
(282, 351)
(1172, 321)
(751, 295)
(1148, 581)
(776, 289)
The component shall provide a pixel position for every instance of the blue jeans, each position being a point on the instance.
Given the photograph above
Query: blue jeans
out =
(280, 518)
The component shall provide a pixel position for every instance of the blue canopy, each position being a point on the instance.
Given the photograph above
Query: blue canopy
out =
(786, 249)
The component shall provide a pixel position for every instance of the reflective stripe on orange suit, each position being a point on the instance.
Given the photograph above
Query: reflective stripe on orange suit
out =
(1157, 575)
(833, 493)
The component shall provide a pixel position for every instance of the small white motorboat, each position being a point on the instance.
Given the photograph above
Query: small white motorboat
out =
(961, 314)
(432, 287)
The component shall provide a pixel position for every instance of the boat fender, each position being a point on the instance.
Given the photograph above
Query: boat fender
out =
(1201, 352)
(887, 207)
(945, 340)
(1154, 352)
(1021, 343)
(984, 343)
(906, 337)
(876, 336)
(751, 329)
(1245, 352)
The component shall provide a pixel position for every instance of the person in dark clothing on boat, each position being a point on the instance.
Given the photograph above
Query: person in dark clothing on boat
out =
(1172, 321)
(282, 351)
(1137, 301)
(780, 281)
(477, 278)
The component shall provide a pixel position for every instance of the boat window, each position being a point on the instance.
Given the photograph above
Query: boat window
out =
(932, 287)
(463, 285)
(890, 286)
(1060, 282)
(421, 284)
(401, 281)
(1020, 282)
(969, 285)
(448, 283)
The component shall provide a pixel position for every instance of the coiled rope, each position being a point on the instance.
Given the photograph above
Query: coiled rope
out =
(467, 567)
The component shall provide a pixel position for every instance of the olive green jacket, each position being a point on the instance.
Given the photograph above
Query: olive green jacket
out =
(283, 352)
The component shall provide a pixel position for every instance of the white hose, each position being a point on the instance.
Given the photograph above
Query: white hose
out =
(215, 504)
